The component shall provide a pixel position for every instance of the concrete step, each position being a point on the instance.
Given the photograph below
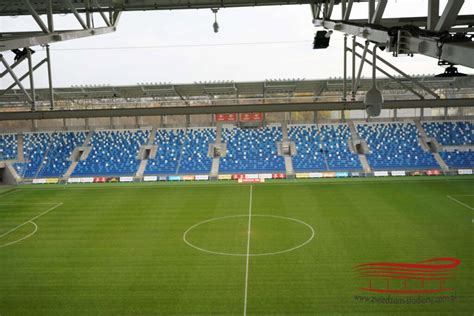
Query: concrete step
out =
(289, 166)
(20, 140)
(441, 162)
(284, 131)
(353, 129)
(141, 169)
(364, 163)
(219, 133)
(215, 168)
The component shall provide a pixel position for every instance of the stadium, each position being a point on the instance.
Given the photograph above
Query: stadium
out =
(248, 189)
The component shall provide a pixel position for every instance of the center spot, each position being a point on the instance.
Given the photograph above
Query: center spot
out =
(269, 235)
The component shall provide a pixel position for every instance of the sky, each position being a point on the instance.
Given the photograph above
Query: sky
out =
(253, 44)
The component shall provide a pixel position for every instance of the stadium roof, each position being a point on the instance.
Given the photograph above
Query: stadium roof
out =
(285, 89)
(20, 7)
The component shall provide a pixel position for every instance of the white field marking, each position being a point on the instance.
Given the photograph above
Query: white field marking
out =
(9, 192)
(457, 201)
(248, 251)
(30, 221)
(308, 182)
(251, 254)
(21, 203)
(24, 237)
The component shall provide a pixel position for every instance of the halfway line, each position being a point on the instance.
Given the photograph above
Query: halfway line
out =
(248, 252)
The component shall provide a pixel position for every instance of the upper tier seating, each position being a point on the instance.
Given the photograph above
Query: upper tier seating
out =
(251, 150)
(170, 142)
(113, 153)
(323, 149)
(194, 156)
(395, 145)
(57, 161)
(8, 147)
(451, 133)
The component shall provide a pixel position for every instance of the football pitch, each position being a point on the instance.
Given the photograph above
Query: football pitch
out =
(279, 248)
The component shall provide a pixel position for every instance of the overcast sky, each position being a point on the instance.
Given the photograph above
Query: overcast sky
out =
(253, 44)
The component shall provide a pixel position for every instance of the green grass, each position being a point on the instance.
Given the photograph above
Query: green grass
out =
(119, 250)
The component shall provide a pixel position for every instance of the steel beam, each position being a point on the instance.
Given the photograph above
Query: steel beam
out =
(14, 84)
(400, 82)
(420, 21)
(216, 109)
(456, 53)
(15, 78)
(36, 17)
(32, 80)
(74, 11)
(433, 14)
(379, 12)
(53, 37)
(449, 16)
(50, 78)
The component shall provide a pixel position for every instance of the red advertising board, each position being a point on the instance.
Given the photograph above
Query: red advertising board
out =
(433, 172)
(278, 176)
(222, 117)
(238, 176)
(255, 116)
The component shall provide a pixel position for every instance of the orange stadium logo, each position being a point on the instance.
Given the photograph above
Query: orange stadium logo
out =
(427, 276)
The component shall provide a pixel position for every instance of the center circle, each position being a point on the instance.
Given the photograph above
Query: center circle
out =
(269, 235)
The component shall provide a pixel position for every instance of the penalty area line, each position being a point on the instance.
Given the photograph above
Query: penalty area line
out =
(32, 219)
(248, 251)
(459, 202)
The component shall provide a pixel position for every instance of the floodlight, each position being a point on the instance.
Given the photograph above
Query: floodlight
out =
(321, 39)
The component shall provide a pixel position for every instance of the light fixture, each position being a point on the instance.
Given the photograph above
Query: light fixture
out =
(373, 99)
(321, 39)
(215, 26)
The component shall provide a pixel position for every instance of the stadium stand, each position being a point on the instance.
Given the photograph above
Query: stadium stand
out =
(35, 146)
(323, 147)
(451, 133)
(455, 138)
(252, 150)
(57, 160)
(8, 146)
(335, 147)
(309, 153)
(166, 161)
(113, 153)
(194, 156)
(395, 146)
(459, 159)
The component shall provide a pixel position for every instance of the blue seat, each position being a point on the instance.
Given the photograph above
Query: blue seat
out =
(451, 133)
(395, 146)
(8, 147)
(251, 150)
(322, 149)
(113, 153)
(56, 161)
(35, 146)
(170, 142)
